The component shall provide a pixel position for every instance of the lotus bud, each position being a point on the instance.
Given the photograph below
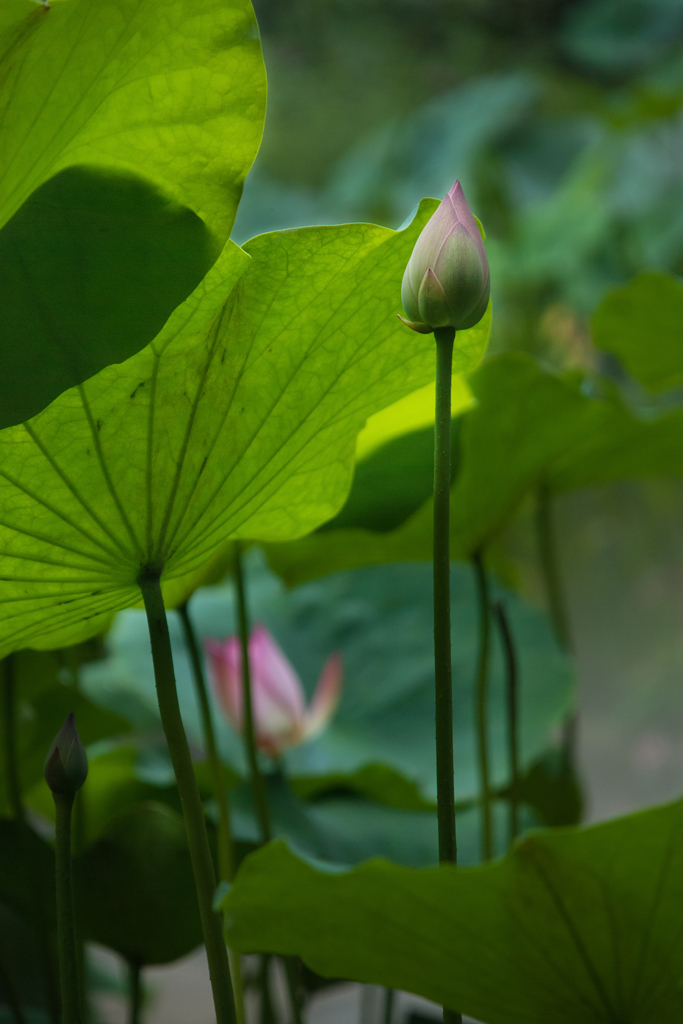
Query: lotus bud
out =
(447, 280)
(281, 717)
(66, 764)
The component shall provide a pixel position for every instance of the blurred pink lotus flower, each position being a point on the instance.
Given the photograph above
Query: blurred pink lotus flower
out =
(281, 718)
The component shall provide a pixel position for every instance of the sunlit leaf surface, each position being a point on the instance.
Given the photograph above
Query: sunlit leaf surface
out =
(240, 419)
(172, 90)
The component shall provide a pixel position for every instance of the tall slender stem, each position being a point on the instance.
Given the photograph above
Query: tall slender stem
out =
(547, 550)
(218, 779)
(9, 721)
(13, 1002)
(482, 693)
(219, 784)
(134, 992)
(448, 852)
(445, 785)
(72, 1011)
(389, 1000)
(512, 706)
(258, 788)
(195, 826)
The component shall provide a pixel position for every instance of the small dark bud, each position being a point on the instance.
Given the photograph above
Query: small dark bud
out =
(66, 764)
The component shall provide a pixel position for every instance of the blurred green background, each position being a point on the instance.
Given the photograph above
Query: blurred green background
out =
(564, 121)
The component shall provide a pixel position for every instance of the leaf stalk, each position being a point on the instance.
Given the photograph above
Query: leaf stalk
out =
(193, 813)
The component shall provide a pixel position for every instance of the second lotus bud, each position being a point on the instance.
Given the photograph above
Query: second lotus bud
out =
(447, 280)
(66, 763)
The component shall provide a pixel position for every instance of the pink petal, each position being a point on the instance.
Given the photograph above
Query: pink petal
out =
(226, 663)
(326, 697)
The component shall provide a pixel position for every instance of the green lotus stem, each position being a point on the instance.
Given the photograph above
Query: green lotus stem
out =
(389, 1000)
(219, 785)
(547, 550)
(13, 1002)
(134, 992)
(512, 706)
(448, 851)
(267, 1011)
(258, 789)
(193, 813)
(9, 721)
(445, 783)
(550, 568)
(482, 692)
(72, 1011)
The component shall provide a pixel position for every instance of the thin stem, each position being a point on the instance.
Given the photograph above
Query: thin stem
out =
(72, 1012)
(267, 1014)
(389, 1000)
(216, 769)
(512, 706)
(13, 1002)
(134, 992)
(292, 965)
(448, 852)
(258, 789)
(226, 854)
(445, 785)
(195, 826)
(9, 720)
(547, 550)
(482, 692)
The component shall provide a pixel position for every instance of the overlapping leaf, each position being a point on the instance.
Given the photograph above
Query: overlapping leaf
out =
(575, 925)
(641, 324)
(171, 90)
(240, 419)
(528, 427)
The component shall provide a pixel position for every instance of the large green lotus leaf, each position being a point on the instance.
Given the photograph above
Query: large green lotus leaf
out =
(641, 323)
(240, 419)
(572, 925)
(523, 420)
(171, 90)
(91, 267)
(528, 427)
(343, 829)
(380, 619)
(621, 446)
(138, 893)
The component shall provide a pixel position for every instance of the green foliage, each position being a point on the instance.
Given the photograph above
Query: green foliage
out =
(42, 705)
(528, 427)
(379, 619)
(641, 323)
(116, 194)
(578, 924)
(138, 889)
(310, 322)
(171, 90)
(91, 266)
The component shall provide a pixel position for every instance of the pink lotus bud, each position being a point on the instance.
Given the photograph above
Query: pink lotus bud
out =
(447, 280)
(281, 718)
(66, 763)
